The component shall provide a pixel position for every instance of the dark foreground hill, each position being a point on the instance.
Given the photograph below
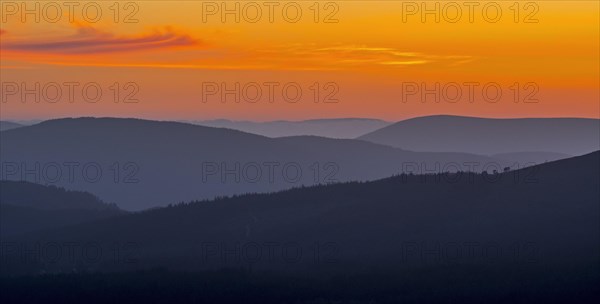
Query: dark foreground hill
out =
(526, 236)
(572, 136)
(545, 215)
(26, 207)
(452, 284)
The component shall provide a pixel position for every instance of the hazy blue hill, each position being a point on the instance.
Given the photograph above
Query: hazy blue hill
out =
(140, 164)
(7, 125)
(27, 207)
(547, 213)
(333, 128)
(444, 133)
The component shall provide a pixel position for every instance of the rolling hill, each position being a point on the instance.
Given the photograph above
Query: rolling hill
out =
(7, 125)
(27, 207)
(333, 128)
(544, 216)
(140, 164)
(571, 136)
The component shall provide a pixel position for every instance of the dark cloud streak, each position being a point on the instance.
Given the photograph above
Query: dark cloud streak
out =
(96, 42)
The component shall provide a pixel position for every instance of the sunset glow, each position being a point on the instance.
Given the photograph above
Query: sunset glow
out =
(544, 57)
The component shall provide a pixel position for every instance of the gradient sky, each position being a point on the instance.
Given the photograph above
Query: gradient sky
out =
(364, 60)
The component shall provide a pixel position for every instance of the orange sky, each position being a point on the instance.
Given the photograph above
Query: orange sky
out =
(365, 58)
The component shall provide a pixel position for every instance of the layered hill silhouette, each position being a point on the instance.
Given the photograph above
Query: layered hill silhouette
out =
(7, 125)
(333, 128)
(140, 164)
(29, 207)
(544, 216)
(571, 136)
(531, 157)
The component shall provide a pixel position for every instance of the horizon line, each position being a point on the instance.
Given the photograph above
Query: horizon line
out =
(233, 120)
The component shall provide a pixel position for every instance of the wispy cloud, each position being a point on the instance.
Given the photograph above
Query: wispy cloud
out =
(408, 62)
(195, 54)
(89, 40)
(358, 56)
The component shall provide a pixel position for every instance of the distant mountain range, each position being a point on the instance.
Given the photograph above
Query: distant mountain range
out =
(517, 139)
(571, 136)
(140, 164)
(543, 216)
(29, 207)
(333, 128)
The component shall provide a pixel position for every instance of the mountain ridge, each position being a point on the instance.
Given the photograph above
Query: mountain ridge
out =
(488, 136)
(136, 158)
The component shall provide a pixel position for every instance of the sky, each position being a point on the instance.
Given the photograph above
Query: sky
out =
(295, 60)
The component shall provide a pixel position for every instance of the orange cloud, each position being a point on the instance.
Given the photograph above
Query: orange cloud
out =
(355, 56)
(89, 40)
